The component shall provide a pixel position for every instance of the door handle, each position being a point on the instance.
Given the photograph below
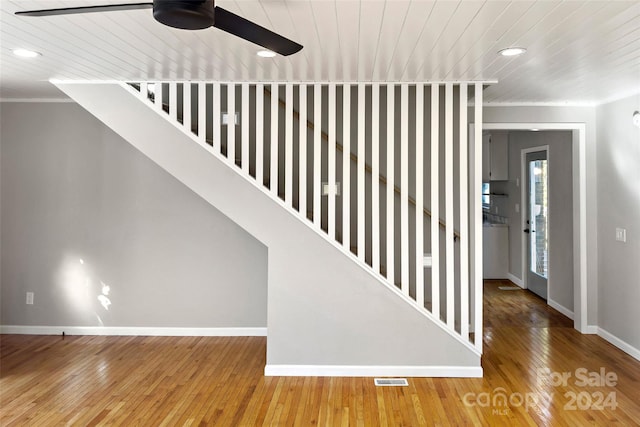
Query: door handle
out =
(526, 230)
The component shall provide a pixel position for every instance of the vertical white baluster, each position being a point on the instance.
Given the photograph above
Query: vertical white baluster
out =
(404, 188)
(144, 91)
(217, 117)
(477, 206)
(360, 171)
(435, 201)
(331, 150)
(346, 167)
(202, 112)
(260, 134)
(158, 95)
(274, 139)
(390, 184)
(448, 203)
(244, 121)
(375, 177)
(302, 150)
(186, 106)
(173, 101)
(231, 123)
(420, 194)
(288, 142)
(464, 214)
(317, 147)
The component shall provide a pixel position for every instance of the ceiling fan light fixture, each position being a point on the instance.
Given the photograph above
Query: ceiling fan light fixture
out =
(512, 51)
(266, 53)
(26, 53)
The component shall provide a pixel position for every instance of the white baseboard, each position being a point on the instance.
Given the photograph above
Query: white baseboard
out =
(591, 329)
(372, 371)
(622, 345)
(515, 280)
(133, 331)
(561, 308)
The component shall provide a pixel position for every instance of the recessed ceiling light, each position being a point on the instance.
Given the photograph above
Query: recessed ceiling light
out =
(266, 54)
(25, 53)
(512, 51)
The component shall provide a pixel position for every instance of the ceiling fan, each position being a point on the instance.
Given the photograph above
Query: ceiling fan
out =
(191, 15)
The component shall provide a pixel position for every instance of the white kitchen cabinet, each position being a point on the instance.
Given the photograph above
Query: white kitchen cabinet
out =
(486, 157)
(495, 156)
(495, 251)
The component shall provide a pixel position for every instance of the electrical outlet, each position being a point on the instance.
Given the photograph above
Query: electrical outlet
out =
(621, 234)
(30, 298)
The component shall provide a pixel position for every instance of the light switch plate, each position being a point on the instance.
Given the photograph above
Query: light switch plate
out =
(225, 118)
(621, 234)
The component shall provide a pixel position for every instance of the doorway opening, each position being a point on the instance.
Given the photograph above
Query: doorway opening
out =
(577, 208)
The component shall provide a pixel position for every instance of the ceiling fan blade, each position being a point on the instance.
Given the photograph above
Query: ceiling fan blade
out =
(243, 28)
(86, 9)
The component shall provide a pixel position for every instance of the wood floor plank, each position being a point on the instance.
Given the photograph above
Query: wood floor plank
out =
(218, 381)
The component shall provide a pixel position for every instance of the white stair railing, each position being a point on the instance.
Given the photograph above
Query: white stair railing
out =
(388, 147)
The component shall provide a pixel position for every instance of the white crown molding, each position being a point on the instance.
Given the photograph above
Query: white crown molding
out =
(133, 331)
(619, 97)
(372, 371)
(541, 104)
(280, 82)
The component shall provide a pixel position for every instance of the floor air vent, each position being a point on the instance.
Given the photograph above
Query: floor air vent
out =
(391, 382)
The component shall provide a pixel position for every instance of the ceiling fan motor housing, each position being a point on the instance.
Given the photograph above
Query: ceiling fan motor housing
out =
(184, 14)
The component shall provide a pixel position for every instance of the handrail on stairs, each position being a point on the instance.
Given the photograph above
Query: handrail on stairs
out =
(354, 158)
(367, 167)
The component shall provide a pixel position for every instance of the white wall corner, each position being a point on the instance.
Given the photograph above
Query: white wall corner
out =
(373, 371)
(622, 345)
(591, 329)
(559, 307)
(515, 280)
(133, 331)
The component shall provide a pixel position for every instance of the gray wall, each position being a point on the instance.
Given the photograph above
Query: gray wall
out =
(316, 315)
(586, 115)
(72, 189)
(619, 206)
(560, 209)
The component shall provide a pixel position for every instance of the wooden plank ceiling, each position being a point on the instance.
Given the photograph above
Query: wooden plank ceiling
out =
(578, 51)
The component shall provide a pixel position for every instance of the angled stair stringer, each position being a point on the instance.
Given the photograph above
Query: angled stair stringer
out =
(327, 314)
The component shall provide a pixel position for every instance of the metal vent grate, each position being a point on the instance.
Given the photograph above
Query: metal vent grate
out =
(391, 382)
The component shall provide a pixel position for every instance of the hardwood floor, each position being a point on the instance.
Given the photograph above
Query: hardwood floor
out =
(48, 381)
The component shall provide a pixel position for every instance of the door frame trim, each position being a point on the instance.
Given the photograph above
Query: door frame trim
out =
(523, 200)
(579, 148)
